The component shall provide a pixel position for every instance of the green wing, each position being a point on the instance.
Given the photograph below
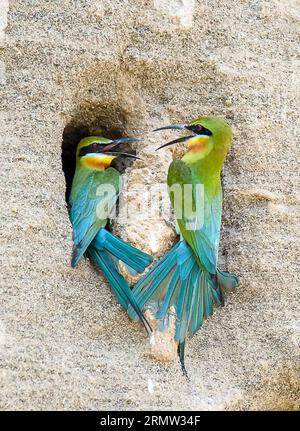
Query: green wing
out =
(198, 224)
(94, 201)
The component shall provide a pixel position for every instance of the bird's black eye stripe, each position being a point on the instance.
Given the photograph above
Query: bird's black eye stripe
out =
(200, 130)
(92, 148)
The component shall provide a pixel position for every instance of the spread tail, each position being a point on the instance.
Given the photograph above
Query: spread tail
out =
(176, 281)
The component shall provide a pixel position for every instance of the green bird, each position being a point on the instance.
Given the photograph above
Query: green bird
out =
(95, 190)
(187, 277)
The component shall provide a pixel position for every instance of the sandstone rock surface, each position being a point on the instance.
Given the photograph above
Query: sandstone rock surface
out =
(127, 67)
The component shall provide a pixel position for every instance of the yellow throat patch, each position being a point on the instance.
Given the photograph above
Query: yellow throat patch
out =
(97, 161)
(198, 144)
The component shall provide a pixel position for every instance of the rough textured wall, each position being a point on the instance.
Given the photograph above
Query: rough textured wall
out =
(130, 66)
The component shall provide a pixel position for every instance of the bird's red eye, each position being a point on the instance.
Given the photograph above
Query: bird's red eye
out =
(199, 127)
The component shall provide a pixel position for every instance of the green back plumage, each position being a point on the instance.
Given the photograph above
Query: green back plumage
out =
(91, 204)
(204, 239)
(203, 168)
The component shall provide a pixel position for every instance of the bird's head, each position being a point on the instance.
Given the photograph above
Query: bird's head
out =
(208, 133)
(97, 153)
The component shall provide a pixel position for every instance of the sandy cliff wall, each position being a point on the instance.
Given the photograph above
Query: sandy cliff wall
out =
(128, 66)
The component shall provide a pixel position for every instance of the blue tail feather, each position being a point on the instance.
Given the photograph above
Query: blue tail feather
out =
(227, 280)
(106, 262)
(106, 250)
(121, 250)
(177, 280)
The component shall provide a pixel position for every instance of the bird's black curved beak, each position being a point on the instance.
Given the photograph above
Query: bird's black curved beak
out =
(117, 154)
(175, 141)
(97, 147)
(119, 141)
(171, 126)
